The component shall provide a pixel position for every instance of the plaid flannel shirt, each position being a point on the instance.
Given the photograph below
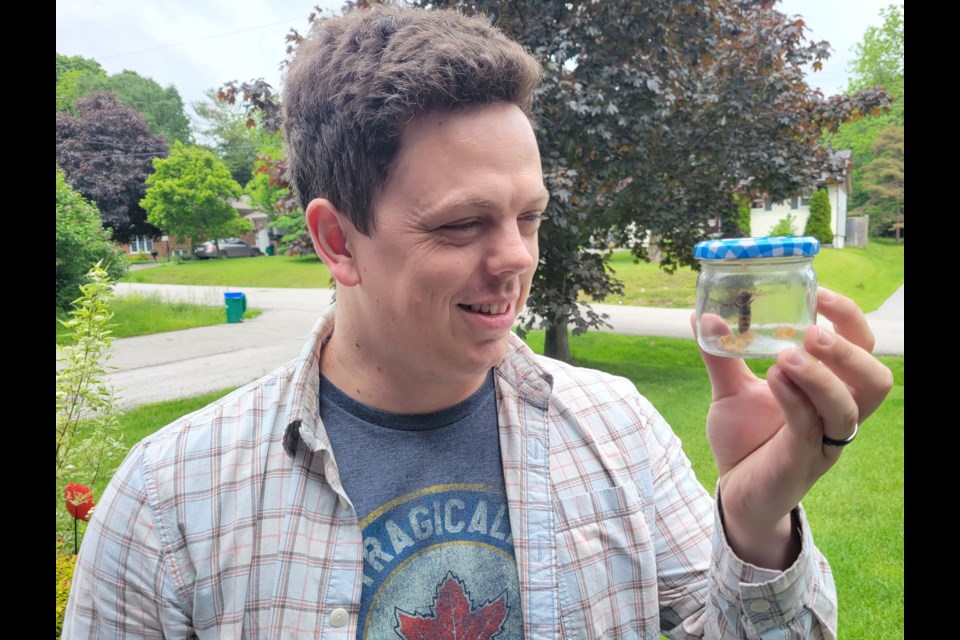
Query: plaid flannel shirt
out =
(232, 523)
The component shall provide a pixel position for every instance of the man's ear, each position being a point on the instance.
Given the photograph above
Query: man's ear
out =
(328, 230)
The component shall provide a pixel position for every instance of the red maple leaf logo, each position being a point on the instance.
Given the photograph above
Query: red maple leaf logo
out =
(453, 618)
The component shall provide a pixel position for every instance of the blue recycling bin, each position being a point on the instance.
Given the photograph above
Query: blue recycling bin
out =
(236, 303)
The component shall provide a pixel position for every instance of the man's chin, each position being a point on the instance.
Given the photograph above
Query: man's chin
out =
(496, 351)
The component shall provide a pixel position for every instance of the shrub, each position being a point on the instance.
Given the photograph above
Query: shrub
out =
(81, 243)
(65, 565)
(87, 423)
(135, 258)
(785, 227)
(735, 219)
(818, 224)
(743, 214)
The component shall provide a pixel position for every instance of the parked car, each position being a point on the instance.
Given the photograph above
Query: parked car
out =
(228, 248)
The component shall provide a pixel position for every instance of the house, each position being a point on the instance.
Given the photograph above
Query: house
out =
(164, 245)
(263, 236)
(764, 215)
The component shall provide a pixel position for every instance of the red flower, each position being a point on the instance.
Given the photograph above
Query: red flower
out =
(79, 499)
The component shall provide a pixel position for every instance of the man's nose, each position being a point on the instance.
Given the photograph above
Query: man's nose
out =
(512, 252)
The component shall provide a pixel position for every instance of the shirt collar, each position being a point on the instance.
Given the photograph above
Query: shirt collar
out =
(519, 372)
(303, 419)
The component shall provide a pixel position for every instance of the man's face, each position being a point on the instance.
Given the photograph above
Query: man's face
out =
(450, 263)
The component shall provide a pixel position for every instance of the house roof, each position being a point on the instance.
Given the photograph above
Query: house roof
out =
(244, 207)
(843, 156)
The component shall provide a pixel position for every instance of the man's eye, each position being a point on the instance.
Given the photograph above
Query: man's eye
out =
(460, 226)
(534, 217)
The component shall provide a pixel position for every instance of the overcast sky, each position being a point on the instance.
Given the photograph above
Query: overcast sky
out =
(200, 44)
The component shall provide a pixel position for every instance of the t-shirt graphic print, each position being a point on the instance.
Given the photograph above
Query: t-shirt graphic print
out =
(439, 564)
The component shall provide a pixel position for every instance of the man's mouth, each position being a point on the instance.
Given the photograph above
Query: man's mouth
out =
(488, 309)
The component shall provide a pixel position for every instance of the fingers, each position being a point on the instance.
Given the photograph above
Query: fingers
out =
(847, 318)
(727, 375)
(814, 400)
(867, 379)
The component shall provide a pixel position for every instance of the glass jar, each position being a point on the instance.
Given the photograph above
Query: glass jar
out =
(755, 296)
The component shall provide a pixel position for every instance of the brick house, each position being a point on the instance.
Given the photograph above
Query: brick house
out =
(166, 246)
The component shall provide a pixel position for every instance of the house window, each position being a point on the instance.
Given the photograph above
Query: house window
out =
(141, 244)
(768, 205)
(794, 202)
(805, 197)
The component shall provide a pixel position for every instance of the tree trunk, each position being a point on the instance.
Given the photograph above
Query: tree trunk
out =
(653, 248)
(556, 343)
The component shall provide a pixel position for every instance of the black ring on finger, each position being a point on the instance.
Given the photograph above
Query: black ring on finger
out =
(833, 442)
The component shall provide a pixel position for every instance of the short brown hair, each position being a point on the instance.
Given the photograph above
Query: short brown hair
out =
(358, 79)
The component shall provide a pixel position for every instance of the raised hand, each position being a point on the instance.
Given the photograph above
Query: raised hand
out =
(770, 437)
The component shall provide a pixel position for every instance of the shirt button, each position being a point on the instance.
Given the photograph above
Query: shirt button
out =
(760, 606)
(338, 617)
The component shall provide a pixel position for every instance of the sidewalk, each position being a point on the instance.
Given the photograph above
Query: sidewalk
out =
(185, 363)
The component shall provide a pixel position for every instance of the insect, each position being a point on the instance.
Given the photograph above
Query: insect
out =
(742, 300)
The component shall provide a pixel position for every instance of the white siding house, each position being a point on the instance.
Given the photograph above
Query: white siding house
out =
(764, 216)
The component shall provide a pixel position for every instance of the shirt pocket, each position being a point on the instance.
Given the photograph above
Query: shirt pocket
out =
(606, 565)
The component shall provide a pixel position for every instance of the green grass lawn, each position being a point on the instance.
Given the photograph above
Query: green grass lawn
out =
(856, 510)
(262, 271)
(867, 275)
(137, 315)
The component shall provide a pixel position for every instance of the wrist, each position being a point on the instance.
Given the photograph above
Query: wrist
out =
(774, 545)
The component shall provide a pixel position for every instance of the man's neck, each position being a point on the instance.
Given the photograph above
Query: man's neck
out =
(388, 386)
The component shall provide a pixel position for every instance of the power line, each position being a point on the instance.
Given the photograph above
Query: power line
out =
(203, 39)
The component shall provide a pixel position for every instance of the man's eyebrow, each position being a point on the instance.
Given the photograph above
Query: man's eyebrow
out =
(477, 201)
(540, 200)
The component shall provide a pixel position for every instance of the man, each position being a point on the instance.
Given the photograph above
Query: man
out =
(418, 472)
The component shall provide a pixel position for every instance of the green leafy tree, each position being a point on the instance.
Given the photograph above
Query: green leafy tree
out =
(878, 58)
(878, 61)
(270, 191)
(81, 243)
(267, 191)
(76, 64)
(189, 195)
(883, 181)
(818, 222)
(162, 108)
(235, 138)
(77, 77)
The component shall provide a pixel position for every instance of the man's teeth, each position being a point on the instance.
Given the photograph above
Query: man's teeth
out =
(493, 309)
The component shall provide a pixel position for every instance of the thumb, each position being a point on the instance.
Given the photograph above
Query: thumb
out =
(728, 375)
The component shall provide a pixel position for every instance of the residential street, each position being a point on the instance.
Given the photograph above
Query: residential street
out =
(185, 363)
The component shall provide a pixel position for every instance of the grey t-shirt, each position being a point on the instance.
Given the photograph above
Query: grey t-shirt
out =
(429, 495)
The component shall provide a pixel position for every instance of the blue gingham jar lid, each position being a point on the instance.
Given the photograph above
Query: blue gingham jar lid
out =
(768, 247)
